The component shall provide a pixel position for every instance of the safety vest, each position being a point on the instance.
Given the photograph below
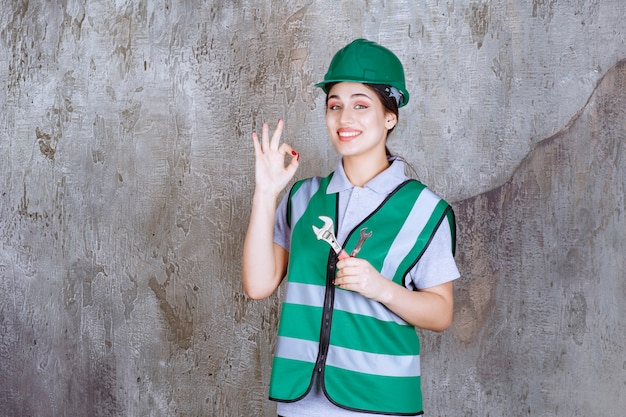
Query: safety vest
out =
(367, 357)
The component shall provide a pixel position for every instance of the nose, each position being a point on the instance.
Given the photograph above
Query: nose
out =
(346, 116)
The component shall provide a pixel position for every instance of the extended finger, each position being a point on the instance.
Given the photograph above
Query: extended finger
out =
(277, 134)
(265, 141)
(255, 143)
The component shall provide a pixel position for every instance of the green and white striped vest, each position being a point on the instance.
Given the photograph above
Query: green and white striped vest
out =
(367, 357)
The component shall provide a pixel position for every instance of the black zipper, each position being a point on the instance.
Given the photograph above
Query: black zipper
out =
(327, 313)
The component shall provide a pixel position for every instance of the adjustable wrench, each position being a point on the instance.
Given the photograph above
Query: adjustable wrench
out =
(327, 234)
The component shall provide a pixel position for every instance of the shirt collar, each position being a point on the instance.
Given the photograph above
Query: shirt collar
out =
(383, 183)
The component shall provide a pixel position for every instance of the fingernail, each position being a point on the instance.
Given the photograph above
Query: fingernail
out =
(298, 157)
(294, 153)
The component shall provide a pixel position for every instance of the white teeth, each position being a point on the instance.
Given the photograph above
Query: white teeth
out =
(348, 134)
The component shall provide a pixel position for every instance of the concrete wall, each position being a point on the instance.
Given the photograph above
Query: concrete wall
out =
(126, 171)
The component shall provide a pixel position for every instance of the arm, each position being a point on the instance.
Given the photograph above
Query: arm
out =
(429, 308)
(264, 263)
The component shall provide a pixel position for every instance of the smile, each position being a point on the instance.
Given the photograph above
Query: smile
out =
(348, 134)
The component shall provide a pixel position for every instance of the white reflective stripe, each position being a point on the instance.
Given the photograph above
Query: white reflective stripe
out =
(300, 199)
(373, 363)
(353, 302)
(411, 229)
(296, 349)
(305, 294)
(349, 301)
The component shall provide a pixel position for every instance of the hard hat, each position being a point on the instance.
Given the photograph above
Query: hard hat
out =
(366, 62)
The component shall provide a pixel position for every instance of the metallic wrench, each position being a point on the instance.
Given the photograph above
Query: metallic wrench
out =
(362, 238)
(327, 234)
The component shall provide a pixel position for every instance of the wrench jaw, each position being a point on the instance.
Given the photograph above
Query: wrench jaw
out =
(327, 234)
(327, 237)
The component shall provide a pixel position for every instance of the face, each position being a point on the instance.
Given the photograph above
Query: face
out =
(356, 120)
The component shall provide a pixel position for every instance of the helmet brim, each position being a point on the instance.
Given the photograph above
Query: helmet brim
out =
(405, 93)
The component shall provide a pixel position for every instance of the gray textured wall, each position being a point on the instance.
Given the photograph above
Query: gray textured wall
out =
(126, 171)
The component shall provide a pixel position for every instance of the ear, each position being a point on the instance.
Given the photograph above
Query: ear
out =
(390, 120)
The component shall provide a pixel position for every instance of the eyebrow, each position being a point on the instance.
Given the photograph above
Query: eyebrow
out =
(335, 96)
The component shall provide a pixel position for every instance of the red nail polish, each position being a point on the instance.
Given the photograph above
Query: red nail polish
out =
(298, 157)
(294, 153)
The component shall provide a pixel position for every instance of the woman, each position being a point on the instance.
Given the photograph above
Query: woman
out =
(347, 344)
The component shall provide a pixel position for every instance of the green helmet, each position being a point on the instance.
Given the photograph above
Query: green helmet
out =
(366, 62)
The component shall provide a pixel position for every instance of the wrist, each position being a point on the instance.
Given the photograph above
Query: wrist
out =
(386, 294)
(264, 196)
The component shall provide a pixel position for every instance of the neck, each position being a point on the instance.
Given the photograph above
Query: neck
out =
(360, 171)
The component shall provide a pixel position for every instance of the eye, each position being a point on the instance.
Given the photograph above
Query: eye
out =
(333, 106)
(361, 106)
